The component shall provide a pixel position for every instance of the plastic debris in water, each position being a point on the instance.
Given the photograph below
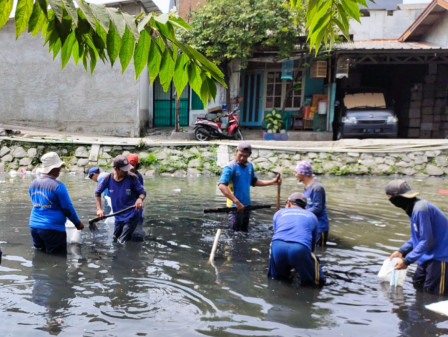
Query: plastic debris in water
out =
(177, 190)
(256, 250)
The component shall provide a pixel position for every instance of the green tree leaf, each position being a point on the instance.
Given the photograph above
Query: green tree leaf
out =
(101, 15)
(87, 13)
(180, 78)
(113, 44)
(166, 69)
(154, 60)
(130, 22)
(23, 13)
(76, 52)
(141, 52)
(37, 19)
(127, 49)
(194, 79)
(56, 47)
(117, 20)
(56, 6)
(5, 11)
(71, 10)
(66, 50)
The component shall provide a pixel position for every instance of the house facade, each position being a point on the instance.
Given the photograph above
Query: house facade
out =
(407, 58)
(35, 92)
(402, 48)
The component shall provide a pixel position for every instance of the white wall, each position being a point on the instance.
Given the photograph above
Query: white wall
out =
(35, 92)
(438, 32)
(381, 26)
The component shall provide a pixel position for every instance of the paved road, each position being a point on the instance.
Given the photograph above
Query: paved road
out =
(165, 137)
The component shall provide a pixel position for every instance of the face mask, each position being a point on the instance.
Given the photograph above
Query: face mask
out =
(404, 203)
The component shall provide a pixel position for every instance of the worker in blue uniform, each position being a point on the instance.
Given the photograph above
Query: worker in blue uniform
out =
(51, 207)
(236, 179)
(317, 204)
(293, 242)
(428, 242)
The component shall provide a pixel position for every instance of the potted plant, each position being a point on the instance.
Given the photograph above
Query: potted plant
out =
(274, 123)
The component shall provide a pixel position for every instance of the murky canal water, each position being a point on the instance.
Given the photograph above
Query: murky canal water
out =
(164, 285)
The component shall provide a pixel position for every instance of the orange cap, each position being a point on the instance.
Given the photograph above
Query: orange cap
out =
(133, 159)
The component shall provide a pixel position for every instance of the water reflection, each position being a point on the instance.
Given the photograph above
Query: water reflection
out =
(52, 289)
(165, 284)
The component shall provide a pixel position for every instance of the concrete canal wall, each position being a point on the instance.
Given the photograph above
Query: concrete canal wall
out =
(193, 159)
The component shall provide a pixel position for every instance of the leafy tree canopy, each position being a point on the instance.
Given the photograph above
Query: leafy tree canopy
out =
(230, 29)
(88, 32)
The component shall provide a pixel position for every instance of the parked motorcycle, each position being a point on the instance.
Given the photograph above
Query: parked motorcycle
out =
(206, 128)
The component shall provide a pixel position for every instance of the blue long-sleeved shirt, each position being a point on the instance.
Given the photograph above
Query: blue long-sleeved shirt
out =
(429, 234)
(317, 204)
(51, 204)
(295, 224)
(123, 194)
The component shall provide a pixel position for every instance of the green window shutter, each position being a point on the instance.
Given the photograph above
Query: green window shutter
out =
(196, 103)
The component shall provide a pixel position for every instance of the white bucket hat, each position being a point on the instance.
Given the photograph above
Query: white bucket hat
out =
(50, 161)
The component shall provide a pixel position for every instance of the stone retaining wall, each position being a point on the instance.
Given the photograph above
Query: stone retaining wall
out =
(203, 159)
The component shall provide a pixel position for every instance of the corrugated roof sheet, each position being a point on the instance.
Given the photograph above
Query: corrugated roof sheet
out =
(385, 45)
(149, 5)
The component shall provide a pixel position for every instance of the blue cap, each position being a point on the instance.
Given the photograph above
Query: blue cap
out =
(92, 171)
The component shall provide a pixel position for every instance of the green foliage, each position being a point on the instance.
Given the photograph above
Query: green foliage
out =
(327, 19)
(225, 30)
(91, 32)
(274, 121)
(149, 160)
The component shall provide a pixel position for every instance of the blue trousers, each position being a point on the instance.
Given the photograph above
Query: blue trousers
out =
(123, 229)
(287, 255)
(431, 277)
(49, 240)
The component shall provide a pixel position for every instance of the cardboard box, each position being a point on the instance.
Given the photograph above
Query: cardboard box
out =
(374, 100)
(415, 104)
(425, 134)
(414, 113)
(427, 119)
(427, 102)
(414, 132)
(428, 111)
(415, 122)
(426, 126)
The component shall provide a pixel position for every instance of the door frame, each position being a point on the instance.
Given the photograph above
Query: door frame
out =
(252, 92)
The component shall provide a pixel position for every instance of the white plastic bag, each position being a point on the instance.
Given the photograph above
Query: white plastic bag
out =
(388, 273)
(439, 307)
(73, 234)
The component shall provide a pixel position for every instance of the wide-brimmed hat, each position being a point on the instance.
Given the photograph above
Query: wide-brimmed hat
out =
(400, 187)
(122, 163)
(50, 161)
